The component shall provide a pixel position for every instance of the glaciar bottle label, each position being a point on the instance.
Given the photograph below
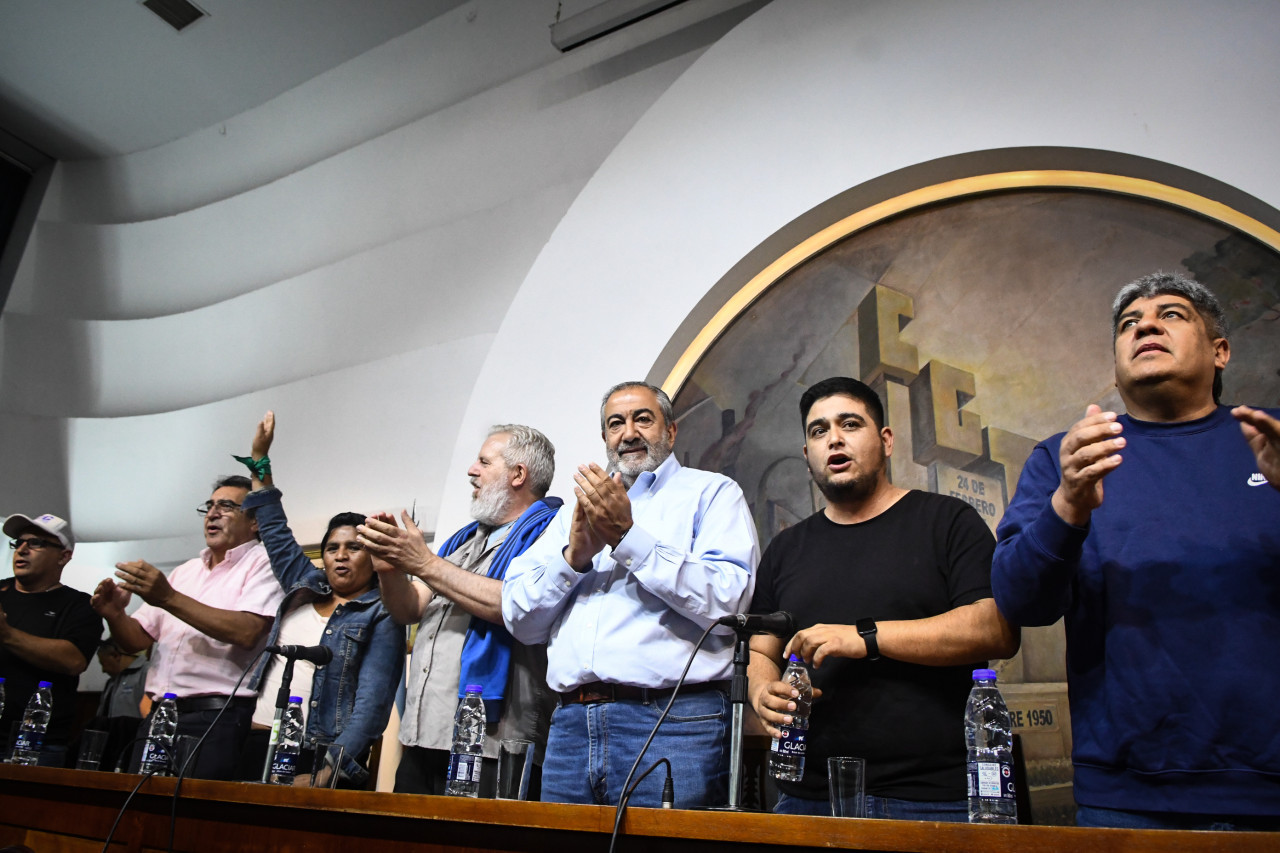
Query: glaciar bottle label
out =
(463, 768)
(25, 741)
(792, 741)
(993, 779)
(284, 764)
(154, 754)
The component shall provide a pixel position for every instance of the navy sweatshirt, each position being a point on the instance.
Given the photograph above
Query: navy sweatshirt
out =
(1172, 604)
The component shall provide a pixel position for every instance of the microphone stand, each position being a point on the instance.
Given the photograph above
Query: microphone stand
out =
(738, 698)
(282, 702)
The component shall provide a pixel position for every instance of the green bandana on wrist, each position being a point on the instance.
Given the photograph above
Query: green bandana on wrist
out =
(262, 468)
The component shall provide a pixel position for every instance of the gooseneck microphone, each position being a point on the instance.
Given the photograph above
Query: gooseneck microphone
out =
(318, 655)
(781, 624)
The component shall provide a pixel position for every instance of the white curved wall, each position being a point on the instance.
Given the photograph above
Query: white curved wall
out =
(346, 259)
(807, 99)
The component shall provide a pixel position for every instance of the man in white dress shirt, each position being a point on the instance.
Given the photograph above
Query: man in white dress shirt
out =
(621, 587)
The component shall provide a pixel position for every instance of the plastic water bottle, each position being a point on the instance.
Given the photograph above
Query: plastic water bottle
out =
(468, 745)
(26, 747)
(157, 752)
(284, 763)
(1, 697)
(786, 754)
(988, 734)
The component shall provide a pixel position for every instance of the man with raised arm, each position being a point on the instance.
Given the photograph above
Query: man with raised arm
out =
(205, 623)
(47, 631)
(891, 590)
(1157, 534)
(621, 588)
(453, 596)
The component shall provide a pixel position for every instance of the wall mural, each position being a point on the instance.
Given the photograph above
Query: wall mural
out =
(984, 324)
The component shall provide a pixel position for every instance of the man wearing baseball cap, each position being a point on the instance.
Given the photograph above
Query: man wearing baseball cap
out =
(48, 632)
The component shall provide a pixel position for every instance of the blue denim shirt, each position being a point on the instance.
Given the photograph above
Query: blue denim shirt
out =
(351, 697)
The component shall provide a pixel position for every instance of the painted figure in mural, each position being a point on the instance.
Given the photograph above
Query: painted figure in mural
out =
(891, 590)
(453, 595)
(1157, 534)
(621, 588)
(205, 624)
(48, 631)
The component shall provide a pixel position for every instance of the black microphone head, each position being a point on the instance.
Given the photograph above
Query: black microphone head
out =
(318, 655)
(781, 623)
(788, 624)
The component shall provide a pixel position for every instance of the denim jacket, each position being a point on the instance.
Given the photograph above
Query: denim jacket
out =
(351, 696)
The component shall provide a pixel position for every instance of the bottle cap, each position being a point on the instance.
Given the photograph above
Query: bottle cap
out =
(297, 699)
(475, 688)
(984, 675)
(795, 658)
(46, 684)
(171, 695)
(1, 681)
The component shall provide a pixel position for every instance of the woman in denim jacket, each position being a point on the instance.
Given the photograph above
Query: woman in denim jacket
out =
(351, 697)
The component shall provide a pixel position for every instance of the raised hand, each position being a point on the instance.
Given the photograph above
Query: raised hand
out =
(396, 548)
(584, 544)
(108, 599)
(263, 436)
(145, 580)
(1089, 452)
(604, 501)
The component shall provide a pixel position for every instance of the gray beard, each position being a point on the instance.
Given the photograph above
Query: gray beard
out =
(655, 454)
(492, 505)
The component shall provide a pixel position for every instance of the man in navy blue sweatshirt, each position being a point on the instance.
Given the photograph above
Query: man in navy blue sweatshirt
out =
(1157, 534)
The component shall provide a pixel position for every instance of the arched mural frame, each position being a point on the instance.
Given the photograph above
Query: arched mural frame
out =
(945, 191)
(1035, 699)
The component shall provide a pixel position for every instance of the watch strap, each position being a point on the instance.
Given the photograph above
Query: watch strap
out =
(867, 630)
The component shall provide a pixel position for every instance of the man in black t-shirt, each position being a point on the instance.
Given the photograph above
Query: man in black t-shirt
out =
(48, 631)
(891, 590)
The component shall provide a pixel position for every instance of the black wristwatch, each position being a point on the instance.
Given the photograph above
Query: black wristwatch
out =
(867, 630)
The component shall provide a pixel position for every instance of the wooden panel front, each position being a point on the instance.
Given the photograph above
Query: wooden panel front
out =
(69, 811)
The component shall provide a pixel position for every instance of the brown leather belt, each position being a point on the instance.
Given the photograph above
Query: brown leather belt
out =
(600, 691)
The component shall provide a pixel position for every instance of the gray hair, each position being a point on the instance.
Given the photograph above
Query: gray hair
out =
(238, 481)
(530, 448)
(233, 481)
(1200, 297)
(664, 402)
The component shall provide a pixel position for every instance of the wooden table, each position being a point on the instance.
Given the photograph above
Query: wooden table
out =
(69, 811)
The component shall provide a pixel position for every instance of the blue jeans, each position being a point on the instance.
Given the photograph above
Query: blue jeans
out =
(882, 808)
(591, 747)
(1122, 819)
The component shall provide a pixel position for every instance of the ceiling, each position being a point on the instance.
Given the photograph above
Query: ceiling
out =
(88, 79)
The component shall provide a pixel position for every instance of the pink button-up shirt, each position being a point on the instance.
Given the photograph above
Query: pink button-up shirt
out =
(185, 661)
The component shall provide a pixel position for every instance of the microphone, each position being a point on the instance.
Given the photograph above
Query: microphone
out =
(318, 655)
(781, 624)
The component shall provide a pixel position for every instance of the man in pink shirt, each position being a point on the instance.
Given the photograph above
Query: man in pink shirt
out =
(206, 623)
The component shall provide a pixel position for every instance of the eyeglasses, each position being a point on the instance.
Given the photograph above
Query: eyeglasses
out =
(223, 507)
(34, 544)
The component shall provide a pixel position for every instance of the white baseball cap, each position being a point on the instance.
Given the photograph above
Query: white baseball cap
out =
(57, 527)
